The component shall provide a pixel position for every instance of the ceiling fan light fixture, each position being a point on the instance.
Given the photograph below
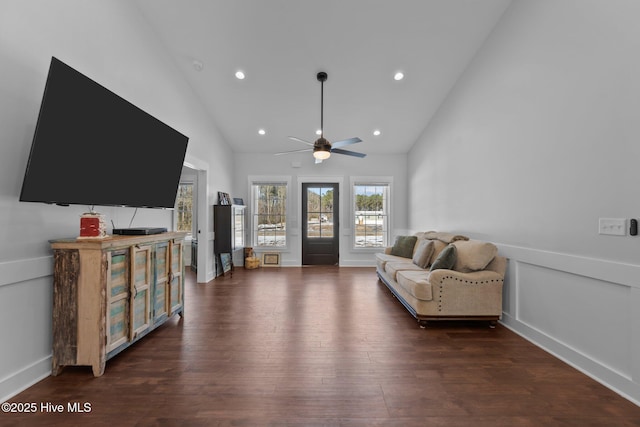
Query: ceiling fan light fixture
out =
(322, 148)
(322, 153)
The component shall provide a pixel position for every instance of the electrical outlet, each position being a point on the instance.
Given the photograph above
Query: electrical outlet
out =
(612, 226)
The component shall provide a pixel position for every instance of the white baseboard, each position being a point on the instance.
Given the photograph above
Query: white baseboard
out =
(581, 310)
(621, 384)
(24, 378)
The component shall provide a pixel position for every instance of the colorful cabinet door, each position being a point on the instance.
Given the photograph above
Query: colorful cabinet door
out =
(176, 278)
(140, 290)
(161, 287)
(118, 288)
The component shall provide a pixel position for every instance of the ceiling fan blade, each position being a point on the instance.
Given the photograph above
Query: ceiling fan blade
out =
(344, 142)
(300, 140)
(294, 151)
(347, 152)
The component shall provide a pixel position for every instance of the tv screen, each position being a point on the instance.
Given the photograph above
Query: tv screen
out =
(92, 147)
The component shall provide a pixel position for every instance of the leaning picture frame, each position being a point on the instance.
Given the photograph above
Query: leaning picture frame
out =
(270, 259)
(225, 262)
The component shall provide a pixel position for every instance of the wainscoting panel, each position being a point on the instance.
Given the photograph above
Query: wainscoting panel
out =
(26, 299)
(25, 269)
(583, 310)
(590, 316)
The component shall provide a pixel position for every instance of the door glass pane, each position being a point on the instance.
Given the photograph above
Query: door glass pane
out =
(326, 224)
(326, 204)
(313, 225)
(320, 212)
(313, 200)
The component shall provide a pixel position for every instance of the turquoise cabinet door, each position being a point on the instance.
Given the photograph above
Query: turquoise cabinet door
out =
(118, 287)
(140, 290)
(161, 286)
(176, 276)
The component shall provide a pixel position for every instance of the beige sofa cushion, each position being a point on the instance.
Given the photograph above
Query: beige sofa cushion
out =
(383, 259)
(392, 268)
(416, 283)
(473, 255)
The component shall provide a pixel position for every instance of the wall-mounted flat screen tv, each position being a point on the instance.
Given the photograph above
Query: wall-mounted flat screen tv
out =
(92, 147)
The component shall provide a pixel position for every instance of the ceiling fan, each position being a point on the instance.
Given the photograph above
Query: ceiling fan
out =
(322, 148)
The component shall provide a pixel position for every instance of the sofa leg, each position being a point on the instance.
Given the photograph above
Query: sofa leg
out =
(422, 323)
(493, 323)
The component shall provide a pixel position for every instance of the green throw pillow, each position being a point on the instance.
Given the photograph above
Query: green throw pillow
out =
(446, 259)
(404, 246)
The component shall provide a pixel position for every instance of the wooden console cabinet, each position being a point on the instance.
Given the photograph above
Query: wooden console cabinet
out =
(108, 293)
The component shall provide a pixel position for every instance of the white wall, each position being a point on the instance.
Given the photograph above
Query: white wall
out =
(111, 43)
(538, 140)
(336, 169)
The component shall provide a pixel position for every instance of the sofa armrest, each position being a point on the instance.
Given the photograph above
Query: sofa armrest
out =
(478, 293)
(474, 277)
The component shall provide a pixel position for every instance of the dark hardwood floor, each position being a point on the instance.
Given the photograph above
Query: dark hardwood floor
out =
(323, 346)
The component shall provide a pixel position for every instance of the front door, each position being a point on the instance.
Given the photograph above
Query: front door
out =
(320, 242)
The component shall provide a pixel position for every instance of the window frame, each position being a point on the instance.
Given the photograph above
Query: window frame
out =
(269, 180)
(176, 211)
(386, 181)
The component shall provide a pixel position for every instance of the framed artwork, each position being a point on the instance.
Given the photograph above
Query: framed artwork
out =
(223, 198)
(225, 262)
(271, 259)
(238, 201)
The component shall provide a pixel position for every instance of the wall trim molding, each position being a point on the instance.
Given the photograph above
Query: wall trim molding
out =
(605, 271)
(595, 268)
(21, 380)
(12, 272)
(611, 379)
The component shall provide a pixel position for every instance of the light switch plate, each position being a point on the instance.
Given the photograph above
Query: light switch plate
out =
(612, 226)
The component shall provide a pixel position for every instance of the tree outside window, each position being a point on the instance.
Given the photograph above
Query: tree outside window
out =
(371, 215)
(184, 208)
(269, 207)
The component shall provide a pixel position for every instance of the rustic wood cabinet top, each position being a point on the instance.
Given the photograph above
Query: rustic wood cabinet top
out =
(113, 242)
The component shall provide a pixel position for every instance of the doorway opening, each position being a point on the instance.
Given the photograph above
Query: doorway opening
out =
(320, 224)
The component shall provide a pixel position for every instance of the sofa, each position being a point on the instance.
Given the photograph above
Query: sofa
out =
(444, 276)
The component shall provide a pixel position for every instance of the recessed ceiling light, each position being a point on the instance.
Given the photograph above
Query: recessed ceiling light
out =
(319, 132)
(239, 75)
(376, 132)
(197, 65)
(398, 76)
(262, 131)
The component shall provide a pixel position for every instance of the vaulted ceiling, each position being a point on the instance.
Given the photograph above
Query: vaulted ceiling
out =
(281, 45)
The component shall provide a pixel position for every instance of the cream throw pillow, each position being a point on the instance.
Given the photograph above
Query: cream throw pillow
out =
(473, 255)
(422, 256)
